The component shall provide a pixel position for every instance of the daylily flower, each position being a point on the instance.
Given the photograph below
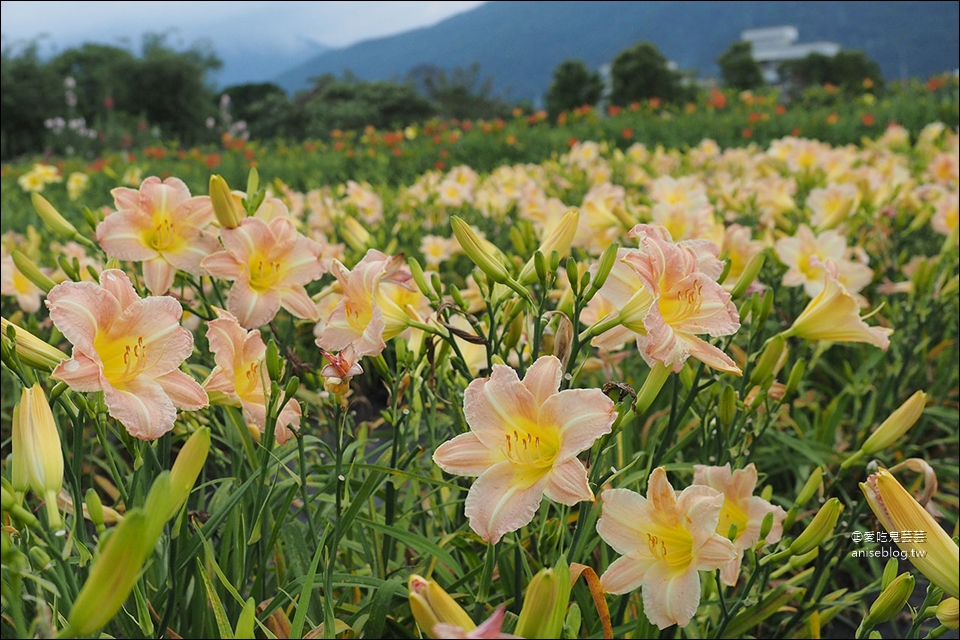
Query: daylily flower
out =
(129, 348)
(241, 376)
(269, 264)
(687, 301)
(741, 509)
(523, 443)
(161, 226)
(14, 283)
(664, 540)
(375, 307)
(835, 315)
(489, 628)
(805, 253)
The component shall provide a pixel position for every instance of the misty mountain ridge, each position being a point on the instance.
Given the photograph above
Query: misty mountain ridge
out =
(519, 44)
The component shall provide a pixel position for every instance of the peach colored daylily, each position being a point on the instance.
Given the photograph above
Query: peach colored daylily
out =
(523, 443)
(740, 508)
(13, 283)
(373, 309)
(687, 301)
(240, 374)
(804, 254)
(129, 348)
(269, 264)
(161, 226)
(664, 540)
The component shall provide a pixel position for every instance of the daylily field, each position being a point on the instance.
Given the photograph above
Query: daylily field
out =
(491, 379)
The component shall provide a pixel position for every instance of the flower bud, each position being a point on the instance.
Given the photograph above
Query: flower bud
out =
(820, 528)
(607, 261)
(472, 245)
(52, 218)
(889, 573)
(187, 467)
(651, 387)
(764, 366)
(31, 350)
(418, 277)
(430, 605)
(727, 410)
(353, 233)
(890, 601)
(559, 240)
(748, 275)
(796, 375)
(274, 363)
(114, 572)
(31, 271)
(226, 208)
(545, 603)
(810, 487)
(948, 614)
(892, 428)
(573, 273)
(37, 449)
(95, 509)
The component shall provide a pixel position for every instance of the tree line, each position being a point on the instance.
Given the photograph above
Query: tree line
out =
(96, 97)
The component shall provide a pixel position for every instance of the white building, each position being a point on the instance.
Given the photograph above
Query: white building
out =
(773, 45)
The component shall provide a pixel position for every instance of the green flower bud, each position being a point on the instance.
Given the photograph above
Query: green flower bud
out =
(545, 603)
(748, 275)
(763, 368)
(225, 206)
(891, 600)
(31, 271)
(52, 218)
(820, 528)
(474, 247)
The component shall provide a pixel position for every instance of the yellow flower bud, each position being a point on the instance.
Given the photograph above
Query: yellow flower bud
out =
(559, 240)
(748, 275)
(892, 428)
(33, 351)
(475, 249)
(37, 450)
(938, 556)
(226, 208)
(430, 604)
(353, 233)
(948, 614)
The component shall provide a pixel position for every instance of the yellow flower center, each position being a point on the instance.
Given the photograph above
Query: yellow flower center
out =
(683, 304)
(731, 514)
(163, 235)
(531, 447)
(123, 359)
(248, 381)
(673, 544)
(264, 273)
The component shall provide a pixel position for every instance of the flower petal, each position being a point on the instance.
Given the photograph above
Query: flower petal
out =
(670, 598)
(625, 574)
(185, 392)
(81, 309)
(503, 499)
(80, 372)
(251, 308)
(567, 483)
(465, 455)
(497, 405)
(622, 520)
(158, 275)
(581, 416)
(142, 407)
(543, 378)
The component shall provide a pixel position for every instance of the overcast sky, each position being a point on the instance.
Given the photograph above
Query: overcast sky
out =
(254, 40)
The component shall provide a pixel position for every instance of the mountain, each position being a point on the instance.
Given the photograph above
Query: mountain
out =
(519, 44)
(242, 64)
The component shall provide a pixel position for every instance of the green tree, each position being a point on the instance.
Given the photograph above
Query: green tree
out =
(573, 85)
(32, 92)
(738, 69)
(640, 72)
(847, 70)
(170, 89)
(462, 93)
